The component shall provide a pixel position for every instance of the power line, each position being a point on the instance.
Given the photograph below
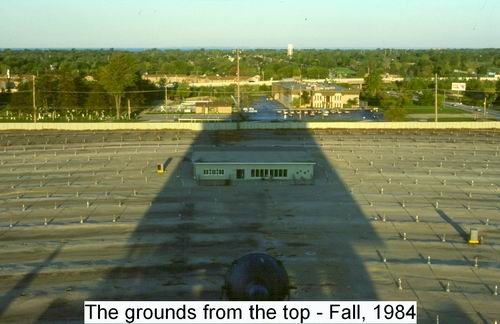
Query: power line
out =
(103, 92)
(213, 90)
(208, 91)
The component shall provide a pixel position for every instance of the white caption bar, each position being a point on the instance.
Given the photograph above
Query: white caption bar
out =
(251, 312)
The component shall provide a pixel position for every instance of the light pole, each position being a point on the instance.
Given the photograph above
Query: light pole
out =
(34, 100)
(436, 99)
(238, 80)
(484, 107)
(167, 85)
(166, 92)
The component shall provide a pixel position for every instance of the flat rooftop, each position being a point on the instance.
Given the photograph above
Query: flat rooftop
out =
(117, 230)
(296, 85)
(252, 157)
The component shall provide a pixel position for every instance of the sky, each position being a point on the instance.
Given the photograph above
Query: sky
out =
(250, 24)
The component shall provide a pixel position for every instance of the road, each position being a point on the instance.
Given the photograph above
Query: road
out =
(474, 109)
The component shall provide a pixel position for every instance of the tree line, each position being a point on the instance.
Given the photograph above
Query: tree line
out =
(85, 82)
(267, 63)
(65, 93)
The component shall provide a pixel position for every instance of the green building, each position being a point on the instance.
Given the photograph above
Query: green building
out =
(223, 166)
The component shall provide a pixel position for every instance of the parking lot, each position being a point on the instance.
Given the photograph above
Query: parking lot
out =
(84, 216)
(272, 110)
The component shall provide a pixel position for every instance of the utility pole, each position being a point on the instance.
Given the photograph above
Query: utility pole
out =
(444, 99)
(238, 79)
(436, 99)
(484, 107)
(129, 109)
(166, 92)
(34, 100)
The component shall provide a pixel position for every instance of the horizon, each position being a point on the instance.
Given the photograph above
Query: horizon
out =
(195, 48)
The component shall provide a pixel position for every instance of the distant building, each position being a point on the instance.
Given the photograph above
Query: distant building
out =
(335, 97)
(299, 95)
(220, 167)
(290, 50)
(10, 82)
(199, 80)
(7, 85)
(288, 92)
(204, 105)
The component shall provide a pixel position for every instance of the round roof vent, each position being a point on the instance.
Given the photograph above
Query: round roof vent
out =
(257, 276)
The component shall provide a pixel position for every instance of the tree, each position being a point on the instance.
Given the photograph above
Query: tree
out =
(96, 100)
(428, 97)
(395, 110)
(117, 75)
(372, 87)
(183, 90)
(478, 91)
(22, 100)
(67, 98)
(352, 103)
(424, 66)
(46, 91)
(415, 84)
(481, 70)
(272, 63)
(497, 101)
(139, 99)
(305, 98)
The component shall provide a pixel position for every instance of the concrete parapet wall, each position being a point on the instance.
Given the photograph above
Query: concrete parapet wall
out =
(197, 126)
(371, 125)
(119, 126)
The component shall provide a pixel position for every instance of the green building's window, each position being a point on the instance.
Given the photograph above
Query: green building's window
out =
(213, 171)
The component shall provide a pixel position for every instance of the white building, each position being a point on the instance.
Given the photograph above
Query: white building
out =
(299, 95)
(223, 166)
(335, 98)
(290, 50)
